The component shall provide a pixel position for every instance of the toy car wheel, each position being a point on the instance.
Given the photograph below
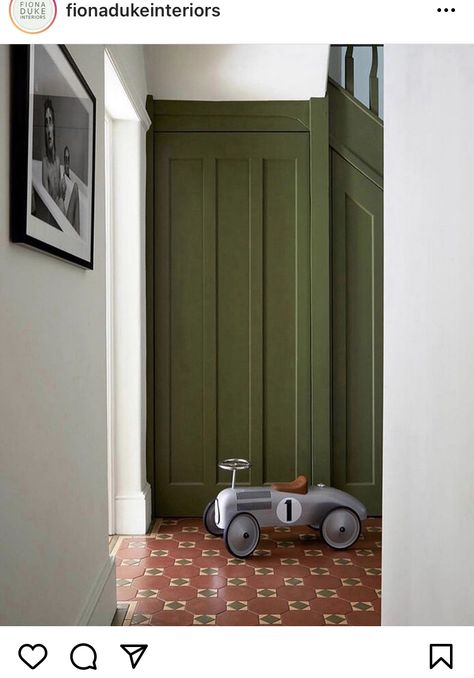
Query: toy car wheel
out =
(209, 519)
(341, 528)
(242, 535)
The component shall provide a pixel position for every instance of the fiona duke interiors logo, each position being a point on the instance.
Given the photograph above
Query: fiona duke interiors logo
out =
(33, 16)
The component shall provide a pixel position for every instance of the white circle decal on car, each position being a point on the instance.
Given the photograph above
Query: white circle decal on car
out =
(289, 510)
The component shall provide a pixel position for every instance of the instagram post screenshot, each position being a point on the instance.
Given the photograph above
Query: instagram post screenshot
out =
(236, 338)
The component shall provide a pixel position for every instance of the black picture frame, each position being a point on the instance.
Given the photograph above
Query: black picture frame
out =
(52, 151)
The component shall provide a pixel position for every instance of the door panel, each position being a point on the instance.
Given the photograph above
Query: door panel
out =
(232, 311)
(357, 333)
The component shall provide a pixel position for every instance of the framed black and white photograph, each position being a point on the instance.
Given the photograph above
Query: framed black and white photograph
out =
(52, 154)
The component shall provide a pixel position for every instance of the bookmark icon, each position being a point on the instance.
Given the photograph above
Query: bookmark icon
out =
(135, 653)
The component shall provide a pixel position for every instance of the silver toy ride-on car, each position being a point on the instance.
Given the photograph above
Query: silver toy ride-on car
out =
(238, 513)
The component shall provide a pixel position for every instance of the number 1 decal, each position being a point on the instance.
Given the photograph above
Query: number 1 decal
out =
(288, 510)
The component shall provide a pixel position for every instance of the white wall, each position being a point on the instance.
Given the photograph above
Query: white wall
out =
(54, 562)
(237, 72)
(125, 103)
(428, 507)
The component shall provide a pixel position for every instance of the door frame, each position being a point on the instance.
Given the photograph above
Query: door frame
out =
(257, 116)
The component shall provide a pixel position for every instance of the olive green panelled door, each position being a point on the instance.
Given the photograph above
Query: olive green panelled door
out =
(232, 311)
(357, 230)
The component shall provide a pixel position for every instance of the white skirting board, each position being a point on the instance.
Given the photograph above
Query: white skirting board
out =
(133, 512)
(101, 604)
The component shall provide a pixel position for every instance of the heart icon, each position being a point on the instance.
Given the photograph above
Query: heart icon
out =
(32, 655)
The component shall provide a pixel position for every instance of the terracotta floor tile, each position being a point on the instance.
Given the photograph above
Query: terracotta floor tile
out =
(157, 561)
(211, 561)
(150, 582)
(268, 605)
(133, 553)
(330, 606)
(346, 571)
(126, 593)
(206, 605)
(209, 581)
(322, 581)
(302, 618)
(238, 618)
(356, 593)
(237, 593)
(149, 606)
(296, 592)
(130, 572)
(172, 618)
(189, 571)
(292, 570)
(316, 561)
(262, 581)
(178, 593)
(237, 571)
(363, 619)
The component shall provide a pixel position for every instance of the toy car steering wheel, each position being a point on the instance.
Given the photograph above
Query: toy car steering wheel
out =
(234, 465)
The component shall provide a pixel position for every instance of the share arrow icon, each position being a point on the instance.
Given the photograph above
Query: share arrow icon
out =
(135, 652)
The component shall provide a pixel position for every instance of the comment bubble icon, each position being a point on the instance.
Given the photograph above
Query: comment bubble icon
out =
(84, 657)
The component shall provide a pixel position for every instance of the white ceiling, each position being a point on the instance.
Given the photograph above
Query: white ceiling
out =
(237, 72)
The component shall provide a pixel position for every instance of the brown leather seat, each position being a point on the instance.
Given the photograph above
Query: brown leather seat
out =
(298, 486)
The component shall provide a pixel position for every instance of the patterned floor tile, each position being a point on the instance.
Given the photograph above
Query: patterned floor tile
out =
(182, 562)
(237, 618)
(293, 581)
(147, 593)
(209, 570)
(174, 605)
(319, 571)
(179, 575)
(298, 604)
(289, 561)
(342, 561)
(179, 581)
(264, 570)
(237, 605)
(141, 619)
(326, 593)
(362, 607)
(269, 619)
(207, 593)
(335, 619)
(204, 619)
